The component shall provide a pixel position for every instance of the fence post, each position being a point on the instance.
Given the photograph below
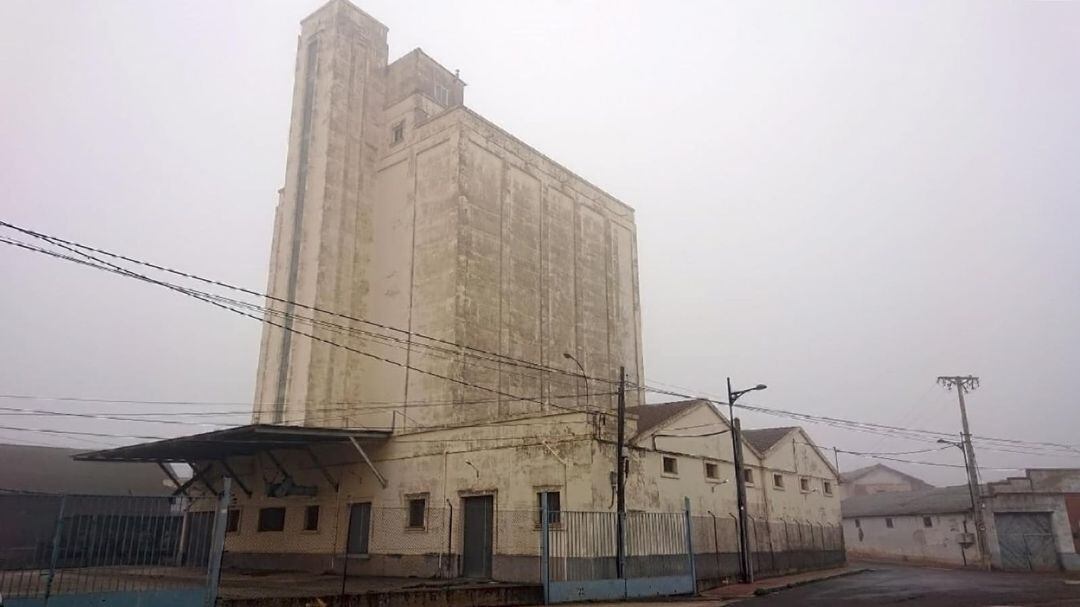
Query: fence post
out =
(217, 544)
(716, 545)
(58, 531)
(545, 548)
(690, 542)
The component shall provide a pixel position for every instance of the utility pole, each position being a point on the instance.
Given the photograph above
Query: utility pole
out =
(740, 481)
(964, 384)
(620, 478)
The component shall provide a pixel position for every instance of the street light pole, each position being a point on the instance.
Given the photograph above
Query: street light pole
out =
(584, 376)
(740, 480)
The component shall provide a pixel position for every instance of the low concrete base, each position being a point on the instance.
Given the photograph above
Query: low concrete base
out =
(458, 596)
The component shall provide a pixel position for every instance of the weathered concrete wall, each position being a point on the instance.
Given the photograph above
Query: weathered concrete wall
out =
(877, 481)
(797, 460)
(911, 540)
(414, 213)
(322, 241)
(1034, 502)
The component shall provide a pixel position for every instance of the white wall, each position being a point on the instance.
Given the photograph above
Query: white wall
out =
(910, 539)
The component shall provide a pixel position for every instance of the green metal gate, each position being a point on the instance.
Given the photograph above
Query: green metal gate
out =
(110, 551)
(1026, 540)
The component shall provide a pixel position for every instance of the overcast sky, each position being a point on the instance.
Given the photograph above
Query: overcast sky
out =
(842, 200)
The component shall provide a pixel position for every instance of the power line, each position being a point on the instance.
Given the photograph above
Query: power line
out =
(189, 292)
(500, 357)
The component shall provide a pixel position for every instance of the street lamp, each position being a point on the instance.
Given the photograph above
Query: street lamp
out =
(960, 446)
(733, 396)
(740, 480)
(585, 377)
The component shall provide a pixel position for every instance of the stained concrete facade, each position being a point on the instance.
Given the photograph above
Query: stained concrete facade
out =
(894, 525)
(449, 258)
(879, 478)
(428, 273)
(946, 538)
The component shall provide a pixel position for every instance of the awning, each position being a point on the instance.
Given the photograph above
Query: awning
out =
(217, 447)
(233, 442)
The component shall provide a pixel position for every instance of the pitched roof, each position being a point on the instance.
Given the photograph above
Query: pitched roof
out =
(52, 470)
(764, 438)
(651, 416)
(856, 474)
(939, 500)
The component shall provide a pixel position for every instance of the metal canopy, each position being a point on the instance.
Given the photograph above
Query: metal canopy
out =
(233, 442)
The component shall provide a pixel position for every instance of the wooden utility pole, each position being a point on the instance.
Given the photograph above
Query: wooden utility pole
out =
(964, 384)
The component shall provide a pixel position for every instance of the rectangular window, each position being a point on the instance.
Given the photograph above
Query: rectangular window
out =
(888, 523)
(712, 471)
(417, 512)
(671, 465)
(232, 523)
(271, 519)
(927, 522)
(827, 486)
(748, 476)
(804, 485)
(778, 481)
(554, 505)
(397, 135)
(311, 518)
(442, 94)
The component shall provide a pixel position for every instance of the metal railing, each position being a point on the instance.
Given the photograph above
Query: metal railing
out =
(82, 544)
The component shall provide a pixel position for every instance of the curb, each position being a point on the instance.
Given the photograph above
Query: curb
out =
(765, 591)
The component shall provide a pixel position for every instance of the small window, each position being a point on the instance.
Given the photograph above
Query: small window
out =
(748, 476)
(888, 523)
(778, 481)
(827, 486)
(271, 519)
(232, 522)
(311, 518)
(442, 94)
(712, 471)
(417, 512)
(858, 525)
(554, 505)
(804, 485)
(671, 465)
(397, 135)
(927, 522)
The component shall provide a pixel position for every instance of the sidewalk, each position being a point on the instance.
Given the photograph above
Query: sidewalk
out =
(773, 584)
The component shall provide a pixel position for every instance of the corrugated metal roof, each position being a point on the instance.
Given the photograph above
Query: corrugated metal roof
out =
(52, 470)
(940, 500)
(764, 438)
(651, 416)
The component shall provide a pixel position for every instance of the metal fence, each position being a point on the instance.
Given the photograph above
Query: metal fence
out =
(68, 547)
(582, 561)
(777, 547)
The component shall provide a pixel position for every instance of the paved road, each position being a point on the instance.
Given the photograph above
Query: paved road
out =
(931, 587)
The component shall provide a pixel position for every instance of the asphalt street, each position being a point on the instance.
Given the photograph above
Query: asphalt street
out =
(933, 587)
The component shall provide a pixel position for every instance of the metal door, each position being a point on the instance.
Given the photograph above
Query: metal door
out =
(476, 553)
(359, 528)
(197, 535)
(1026, 540)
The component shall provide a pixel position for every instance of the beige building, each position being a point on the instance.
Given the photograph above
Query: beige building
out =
(435, 282)
(402, 208)
(879, 478)
(1032, 523)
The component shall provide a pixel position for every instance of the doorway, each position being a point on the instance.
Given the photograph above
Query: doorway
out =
(359, 528)
(478, 532)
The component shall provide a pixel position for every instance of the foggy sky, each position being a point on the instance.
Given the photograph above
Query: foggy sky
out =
(842, 200)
